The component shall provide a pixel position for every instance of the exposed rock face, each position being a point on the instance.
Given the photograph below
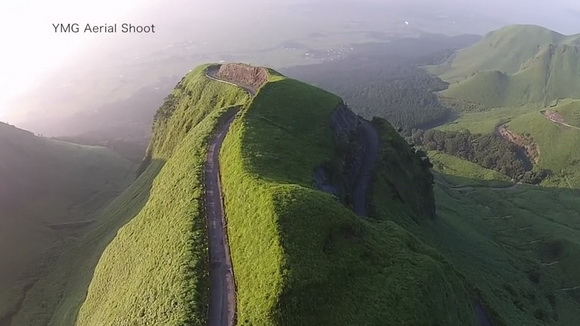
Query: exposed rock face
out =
(531, 149)
(346, 128)
(254, 77)
(340, 176)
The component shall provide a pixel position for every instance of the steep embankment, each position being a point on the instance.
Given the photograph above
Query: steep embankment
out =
(49, 190)
(170, 230)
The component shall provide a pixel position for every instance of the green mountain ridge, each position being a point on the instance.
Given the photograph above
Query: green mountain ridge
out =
(296, 261)
(300, 255)
(513, 66)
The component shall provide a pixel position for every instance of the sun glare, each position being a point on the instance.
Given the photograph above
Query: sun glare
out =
(31, 48)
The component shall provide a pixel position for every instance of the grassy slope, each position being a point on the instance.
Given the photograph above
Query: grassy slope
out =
(143, 231)
(165, 244)
(300, 257)
(551, 74)
(513, 66)
(46, 182)
(506, 50)
(570, 110)
(558, 147)
(500, 241)
(453, 166)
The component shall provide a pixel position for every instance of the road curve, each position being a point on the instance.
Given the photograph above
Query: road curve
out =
(364, 178)
(222, 302)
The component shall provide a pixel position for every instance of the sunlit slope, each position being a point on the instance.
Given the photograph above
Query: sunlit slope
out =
(505, 50)
(300, 256)
(552, 73)
(569, 109)
(303, 258)
(154, 225)
(49, 190)
(558, 147)
(154, 271)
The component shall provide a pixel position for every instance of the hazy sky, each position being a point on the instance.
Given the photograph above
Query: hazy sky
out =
(29, 45)
(30, 48)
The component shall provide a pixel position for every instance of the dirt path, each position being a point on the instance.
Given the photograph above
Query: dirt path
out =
(558, 122)
(222, 303)
(364, 179)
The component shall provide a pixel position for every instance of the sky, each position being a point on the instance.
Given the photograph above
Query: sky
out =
(30, 46)
(31, 49)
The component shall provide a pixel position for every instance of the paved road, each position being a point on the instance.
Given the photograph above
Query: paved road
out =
(222, 304)
(222, 307)
(364, 180)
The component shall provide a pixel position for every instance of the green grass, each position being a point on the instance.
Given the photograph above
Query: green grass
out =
(557, 144)
(165, 244)
(46, 182)
(500, 240)
(514, 66)
(505, 50)
(144, 262)
(302, 258)
(454, 166)
(570, 111)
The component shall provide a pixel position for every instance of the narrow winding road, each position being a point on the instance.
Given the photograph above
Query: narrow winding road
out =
(222, 303)
(222, 306)
(364, 179)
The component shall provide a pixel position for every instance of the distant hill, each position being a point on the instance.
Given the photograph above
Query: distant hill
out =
(49, 189)
(513, 66)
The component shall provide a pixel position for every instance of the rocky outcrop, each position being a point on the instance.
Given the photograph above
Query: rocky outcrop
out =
(240, 73)
(340, 176)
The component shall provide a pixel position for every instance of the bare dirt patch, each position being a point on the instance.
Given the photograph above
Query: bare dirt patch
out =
(245, 74)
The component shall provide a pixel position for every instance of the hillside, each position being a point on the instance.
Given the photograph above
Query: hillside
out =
(50, 190)
(300, 255)
(505, 50)
(514, 66)
(469, 250)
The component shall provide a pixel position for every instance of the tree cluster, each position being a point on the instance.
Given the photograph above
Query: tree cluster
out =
(378, 85)
(489, 151)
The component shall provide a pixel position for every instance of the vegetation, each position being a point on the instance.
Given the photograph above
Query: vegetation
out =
(156, 224)
(569, 109)
(459, 170)
(505, 50)
(384, 80)
(50, 190)
(514, 66)
(490, 151)
(301, 257)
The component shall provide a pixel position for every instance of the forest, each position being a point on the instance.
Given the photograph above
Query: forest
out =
(488, 150)
(386, 80)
